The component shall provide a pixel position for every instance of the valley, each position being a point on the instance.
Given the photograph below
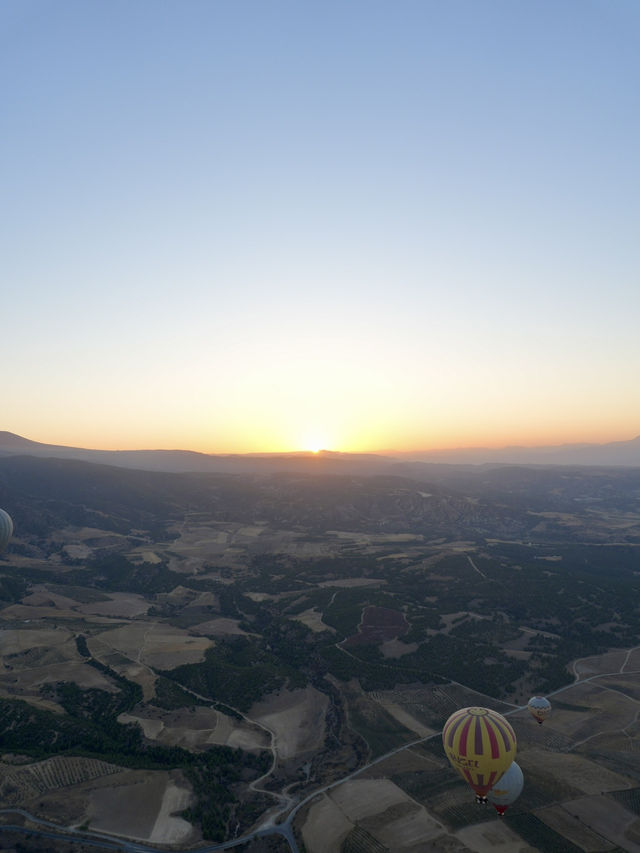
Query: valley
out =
(189, 659)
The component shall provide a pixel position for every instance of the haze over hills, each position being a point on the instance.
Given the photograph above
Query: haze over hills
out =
(623, 453)
(617, 453)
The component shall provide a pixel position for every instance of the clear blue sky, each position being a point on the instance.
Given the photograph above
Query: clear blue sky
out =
(360, 225)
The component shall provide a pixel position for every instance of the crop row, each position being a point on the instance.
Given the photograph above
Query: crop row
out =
(360, 841)
(57, 772)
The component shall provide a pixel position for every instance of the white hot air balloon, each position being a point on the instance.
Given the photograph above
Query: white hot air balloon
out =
(507, 789)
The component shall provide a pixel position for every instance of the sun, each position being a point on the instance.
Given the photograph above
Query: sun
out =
(315, 442)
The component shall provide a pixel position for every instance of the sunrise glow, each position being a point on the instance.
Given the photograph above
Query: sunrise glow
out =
(285, 231)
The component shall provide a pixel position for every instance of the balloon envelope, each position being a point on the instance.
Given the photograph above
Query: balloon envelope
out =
(6, 529)
(539, 708)
(481, 745)
(507, 789)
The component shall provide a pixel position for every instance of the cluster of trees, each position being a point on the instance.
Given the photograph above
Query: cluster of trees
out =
(114, 572)
(240, 670)
(12, 588)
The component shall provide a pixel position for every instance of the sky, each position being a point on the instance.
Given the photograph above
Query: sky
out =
(263, 225)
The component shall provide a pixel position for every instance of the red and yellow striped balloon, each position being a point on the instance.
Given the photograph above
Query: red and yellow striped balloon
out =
(481, 745)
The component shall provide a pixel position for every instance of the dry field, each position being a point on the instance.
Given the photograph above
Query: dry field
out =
(325, 827)
(205, 599)
(25, 684)
(625, 684)
(45, 613)
(229, 544)
(127, 605)
(80, 534)
(427, 704)
(138, 673)
(404, 827)
(219, 627)
(451, 619)
(312, 618)
(198, 542)
(493, 836)
(180, 596)
(573, 770)
(360, 798)
(350, 583)
(77, 551)
(144, 555)
(153, 644)
(197, 728)
(607, 818)
(379, 807)
(599, 664)
(386, 700)
(296, 717)
(19, 641)
(141, 809)
(396, 648)
(410, 760)
(41, 597)
(375, 538)
(565, 823)
(44, 608)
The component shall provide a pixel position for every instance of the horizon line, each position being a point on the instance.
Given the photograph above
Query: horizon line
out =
(327, 450)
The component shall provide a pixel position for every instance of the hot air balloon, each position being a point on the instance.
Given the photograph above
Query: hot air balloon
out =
(6, 529)
(481, 745)
(507, 789)
(540, 708)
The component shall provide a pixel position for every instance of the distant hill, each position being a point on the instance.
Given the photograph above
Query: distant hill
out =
(44, 495)
(613, 454)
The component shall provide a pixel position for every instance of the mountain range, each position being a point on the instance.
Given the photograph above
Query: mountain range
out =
(612, 454)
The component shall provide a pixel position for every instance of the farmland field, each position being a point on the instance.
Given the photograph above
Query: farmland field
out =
(266, 638)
